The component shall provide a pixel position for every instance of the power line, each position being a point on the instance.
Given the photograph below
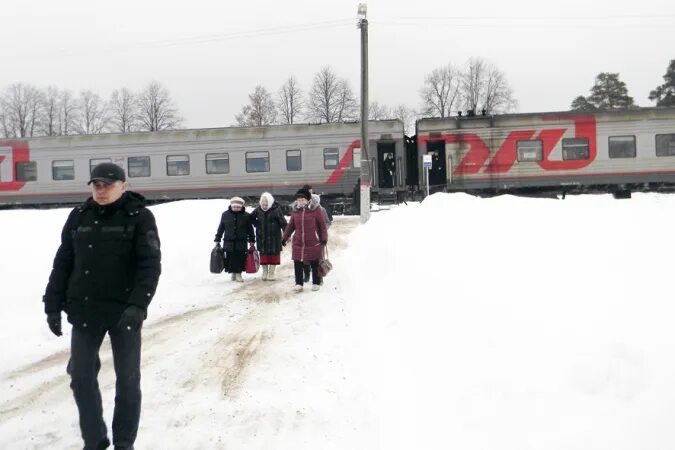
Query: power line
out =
(216, 37)
(529, 23)
(420, 19)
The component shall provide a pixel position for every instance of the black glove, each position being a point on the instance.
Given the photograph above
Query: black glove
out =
(324, 242)
(54, 322)
(132, 317)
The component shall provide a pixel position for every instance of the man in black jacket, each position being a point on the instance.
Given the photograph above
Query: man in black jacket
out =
(105, 274)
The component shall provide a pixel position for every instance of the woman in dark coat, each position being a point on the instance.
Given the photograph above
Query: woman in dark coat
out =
(269, 222)
(235, 228)
(311, 235)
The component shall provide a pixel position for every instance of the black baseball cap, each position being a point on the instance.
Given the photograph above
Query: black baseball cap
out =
(107, 173)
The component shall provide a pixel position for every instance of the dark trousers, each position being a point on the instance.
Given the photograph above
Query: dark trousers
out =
(235, 261)
(299, 271)
(83, 368)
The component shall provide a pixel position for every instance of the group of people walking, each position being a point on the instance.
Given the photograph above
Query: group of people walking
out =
(266, 227)
(105, 275)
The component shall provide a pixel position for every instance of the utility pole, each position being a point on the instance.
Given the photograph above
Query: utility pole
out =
(365, 166)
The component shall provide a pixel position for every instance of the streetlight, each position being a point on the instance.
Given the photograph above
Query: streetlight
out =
(365, 169)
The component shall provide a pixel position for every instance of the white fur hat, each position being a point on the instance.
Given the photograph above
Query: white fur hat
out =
(269, 197)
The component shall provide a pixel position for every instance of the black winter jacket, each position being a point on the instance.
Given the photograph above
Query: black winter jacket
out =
(109, 259)
(268, 227)
(235, 229)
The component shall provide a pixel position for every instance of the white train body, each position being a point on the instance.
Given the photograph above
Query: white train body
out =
(204, 163)
(633, 149)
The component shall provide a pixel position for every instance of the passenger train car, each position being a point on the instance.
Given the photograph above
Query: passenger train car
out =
(533, 154)
(617, 151)
(205, 163)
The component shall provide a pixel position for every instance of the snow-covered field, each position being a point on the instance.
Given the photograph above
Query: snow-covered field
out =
(460, 322)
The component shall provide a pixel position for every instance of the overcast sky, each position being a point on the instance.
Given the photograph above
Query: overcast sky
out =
(211, 54)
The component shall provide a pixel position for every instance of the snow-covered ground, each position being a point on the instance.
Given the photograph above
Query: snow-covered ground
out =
(459, 322)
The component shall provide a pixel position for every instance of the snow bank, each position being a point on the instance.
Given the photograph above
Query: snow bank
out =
(518, 323)
(459, 322)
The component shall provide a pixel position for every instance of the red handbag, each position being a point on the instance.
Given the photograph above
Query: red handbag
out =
(252, 260)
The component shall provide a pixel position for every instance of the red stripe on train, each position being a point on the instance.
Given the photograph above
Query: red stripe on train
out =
(344, 164)
(20, 153)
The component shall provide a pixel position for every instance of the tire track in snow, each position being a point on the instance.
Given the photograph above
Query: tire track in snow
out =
(226, 361)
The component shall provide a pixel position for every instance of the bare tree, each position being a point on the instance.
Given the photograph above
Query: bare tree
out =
(473, 83)
(50, 111)
(260, 111)
(498, 97)
(407, 116)
(440, 91)
(324, 96)
(484, 87)
(347, 105)
(378, 112)
(290, 101)
(68, 113)
(93, 113)
(156, 109)
(123, 108)
(21, 105)
(5, 126)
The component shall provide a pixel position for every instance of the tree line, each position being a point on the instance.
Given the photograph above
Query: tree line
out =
(477, 86)
(610, 93)
(27, 111)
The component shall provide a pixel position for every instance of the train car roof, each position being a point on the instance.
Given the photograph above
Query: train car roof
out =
(270, 131)
(516, 119)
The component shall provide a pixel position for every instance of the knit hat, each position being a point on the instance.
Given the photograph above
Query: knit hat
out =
(303, 193)
(238, 200)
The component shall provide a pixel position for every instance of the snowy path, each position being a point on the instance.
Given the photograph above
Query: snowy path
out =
(207, 371)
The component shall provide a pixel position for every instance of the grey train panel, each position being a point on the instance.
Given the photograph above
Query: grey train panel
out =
(311, 140)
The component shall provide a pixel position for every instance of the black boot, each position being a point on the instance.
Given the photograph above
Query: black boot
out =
(102, 445)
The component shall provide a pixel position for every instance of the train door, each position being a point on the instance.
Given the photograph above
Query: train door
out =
(386, 165)
(438, 173)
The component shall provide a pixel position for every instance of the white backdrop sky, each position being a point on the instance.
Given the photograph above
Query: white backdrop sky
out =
(211, 54)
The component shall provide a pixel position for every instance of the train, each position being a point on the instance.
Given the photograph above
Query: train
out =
(545, 154)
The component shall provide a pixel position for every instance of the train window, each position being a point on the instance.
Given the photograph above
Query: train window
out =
(530, 150)
(293, 160)
(575, 148)
(178, 165)
(217, 163)
(622, 147)
(139, 166)
(330, 158)
(96, 161)
(258, 161)
(665, 145)
(26, 171)
(63, 170)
